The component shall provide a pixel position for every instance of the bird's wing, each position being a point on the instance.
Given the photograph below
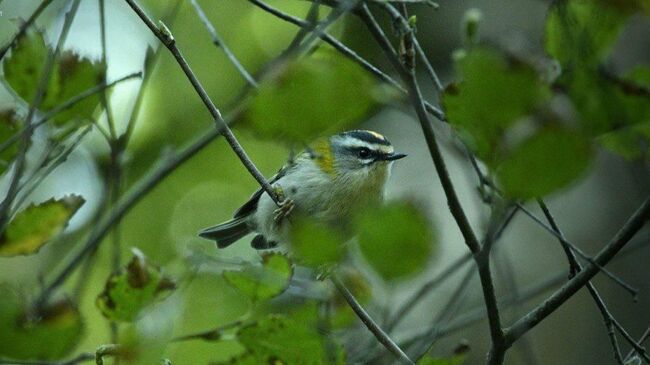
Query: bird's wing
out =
(250, 206)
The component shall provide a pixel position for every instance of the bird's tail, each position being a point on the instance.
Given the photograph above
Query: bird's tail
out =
(228, 232)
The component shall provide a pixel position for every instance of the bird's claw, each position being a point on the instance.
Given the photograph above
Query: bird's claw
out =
(284, 209)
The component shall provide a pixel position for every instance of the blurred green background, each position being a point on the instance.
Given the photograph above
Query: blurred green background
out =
(206, 189)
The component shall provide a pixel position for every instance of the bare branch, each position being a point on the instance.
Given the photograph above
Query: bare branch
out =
(629, 229)
(165, 36)
(217, 41)
(369, 322)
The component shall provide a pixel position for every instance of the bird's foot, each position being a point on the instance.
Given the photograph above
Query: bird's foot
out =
(285, 208)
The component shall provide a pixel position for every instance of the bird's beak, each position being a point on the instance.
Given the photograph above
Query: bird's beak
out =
(394, 156)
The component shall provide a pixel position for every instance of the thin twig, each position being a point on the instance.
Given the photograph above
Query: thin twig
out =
(644, 337)
(507, 272)
(482, 257)
(426, 288)
(60, 159)
(448, 311)
(572, 247)
(529, 292)
(622, 237)
(115, 170)
(440, 165)
(404, 25)
(217, 41)
(369, 323)
(574, 268)
(165, 36)
(485, 181)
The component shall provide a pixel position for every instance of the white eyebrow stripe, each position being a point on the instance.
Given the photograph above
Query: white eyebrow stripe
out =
(355, 143)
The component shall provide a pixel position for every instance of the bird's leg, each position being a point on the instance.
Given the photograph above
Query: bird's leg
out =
(285, 205)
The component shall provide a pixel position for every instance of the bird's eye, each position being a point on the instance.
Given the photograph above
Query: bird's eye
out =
(364, 152)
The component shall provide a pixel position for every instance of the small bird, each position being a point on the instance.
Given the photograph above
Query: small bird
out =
(327, 182)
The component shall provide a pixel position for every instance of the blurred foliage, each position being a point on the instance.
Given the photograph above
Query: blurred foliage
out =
(396, 240)
(315, 96)
(489, 79)
(47, 333)
(128, 291)
(71, 75)
(35, 225)
(500, 105)
(273, 340)
(265, 281)
(9, 126)
(316, 244)
(524, 174)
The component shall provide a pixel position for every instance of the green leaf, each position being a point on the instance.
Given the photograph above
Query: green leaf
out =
(75, 76)
(581, 32)
(133, 288)
(34, 226)
(24, 67)
(262, 282)
(287, 341)
(493, 95)
(48, 334)
(313, 96)
(549, 160)
(71, 75)
(630, 142)
(315, 244)
(9, 126)
(395, 240)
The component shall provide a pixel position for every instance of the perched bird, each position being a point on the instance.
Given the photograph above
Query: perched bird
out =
(327, 182)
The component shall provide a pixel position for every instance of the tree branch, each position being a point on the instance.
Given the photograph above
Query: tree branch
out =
(217, 41)
(574, 268)
(629, 229)
(369, 323)
(165, 36)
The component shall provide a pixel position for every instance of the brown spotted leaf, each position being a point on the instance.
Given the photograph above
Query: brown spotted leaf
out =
(131, 289)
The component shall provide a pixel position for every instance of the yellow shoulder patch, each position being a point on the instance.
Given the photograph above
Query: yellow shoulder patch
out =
(324, 157)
